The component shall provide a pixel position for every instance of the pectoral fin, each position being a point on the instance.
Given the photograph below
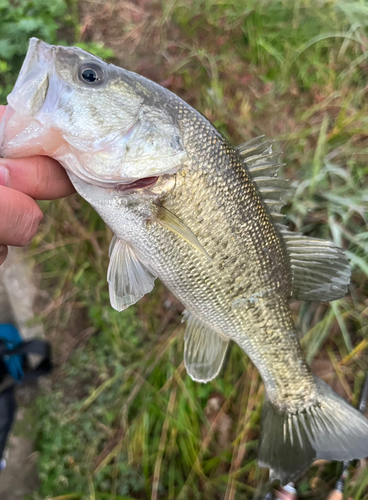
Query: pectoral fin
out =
(128, 278)
(171, 222)
(204, 350)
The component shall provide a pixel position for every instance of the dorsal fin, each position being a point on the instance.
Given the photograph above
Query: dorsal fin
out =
(263, 166)
(320, 270)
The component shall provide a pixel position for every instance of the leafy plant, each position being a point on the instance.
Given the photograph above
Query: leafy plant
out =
(123, 419)
(21, 20)
(54, 22)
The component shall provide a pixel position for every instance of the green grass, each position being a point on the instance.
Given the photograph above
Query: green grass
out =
(123, 420)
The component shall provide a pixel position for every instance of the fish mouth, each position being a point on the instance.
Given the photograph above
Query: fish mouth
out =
(146, 182)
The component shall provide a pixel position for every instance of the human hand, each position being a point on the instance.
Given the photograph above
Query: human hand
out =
(22, 181)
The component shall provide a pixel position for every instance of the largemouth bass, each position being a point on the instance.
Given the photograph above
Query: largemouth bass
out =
(202, 216)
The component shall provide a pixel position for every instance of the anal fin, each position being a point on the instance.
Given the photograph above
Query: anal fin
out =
(204, 350)
(128, 278)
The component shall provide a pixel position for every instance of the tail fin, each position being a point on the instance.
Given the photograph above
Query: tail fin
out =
(331, 429)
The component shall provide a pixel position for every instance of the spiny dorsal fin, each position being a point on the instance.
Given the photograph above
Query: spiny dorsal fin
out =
(320, 270)
(263, 166)
(204, 350)
(171, 222)
(128, 278)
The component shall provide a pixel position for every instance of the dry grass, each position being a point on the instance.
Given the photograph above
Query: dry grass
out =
(124, 420)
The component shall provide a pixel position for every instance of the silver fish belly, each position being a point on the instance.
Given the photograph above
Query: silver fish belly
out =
(202, 216)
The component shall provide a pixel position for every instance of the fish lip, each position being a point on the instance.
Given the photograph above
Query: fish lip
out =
(9, 112)
(145, 182)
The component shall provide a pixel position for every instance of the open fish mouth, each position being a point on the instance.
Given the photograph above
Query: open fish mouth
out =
(146, 182)
(106, 134)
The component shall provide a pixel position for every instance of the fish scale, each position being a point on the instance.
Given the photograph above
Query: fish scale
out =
(204, 217)
(215, 285)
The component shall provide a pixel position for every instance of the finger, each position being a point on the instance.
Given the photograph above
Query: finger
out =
(3, 253)
(20, 217)
(287, 493)
(40, 177)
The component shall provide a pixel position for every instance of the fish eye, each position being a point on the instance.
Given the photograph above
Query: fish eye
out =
(91, 73)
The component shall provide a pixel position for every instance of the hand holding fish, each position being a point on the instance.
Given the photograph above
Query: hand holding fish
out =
(22, 181)
(204, 217)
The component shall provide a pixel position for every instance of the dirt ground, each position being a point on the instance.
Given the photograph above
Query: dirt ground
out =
(17, 297)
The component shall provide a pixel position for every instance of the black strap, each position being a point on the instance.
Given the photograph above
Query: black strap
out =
(7, 412)
(35, 346)
(7, 396)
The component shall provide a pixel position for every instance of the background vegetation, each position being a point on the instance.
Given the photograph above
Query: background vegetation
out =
(123, 420)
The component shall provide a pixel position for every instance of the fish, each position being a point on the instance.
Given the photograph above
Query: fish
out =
(202, 216)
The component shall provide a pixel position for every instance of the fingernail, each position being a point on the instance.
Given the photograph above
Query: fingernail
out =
(4, 175)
